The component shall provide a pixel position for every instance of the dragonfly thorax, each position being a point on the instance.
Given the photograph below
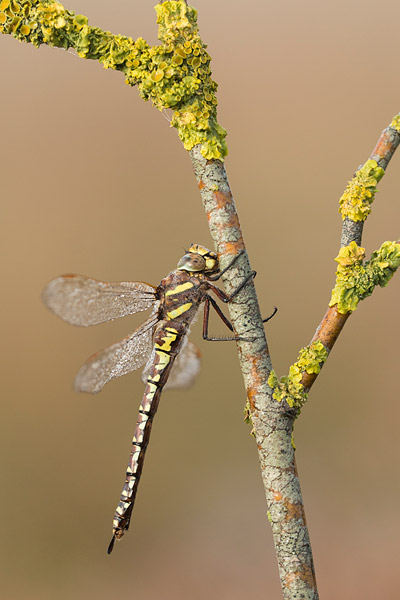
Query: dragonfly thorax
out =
(180, 295)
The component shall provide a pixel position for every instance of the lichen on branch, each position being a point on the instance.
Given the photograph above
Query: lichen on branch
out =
(174, 75)
(356, 280)
(396, 123)
(356, 201)
(290, 389)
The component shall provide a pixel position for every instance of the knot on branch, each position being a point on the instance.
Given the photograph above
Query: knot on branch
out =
(355, 280)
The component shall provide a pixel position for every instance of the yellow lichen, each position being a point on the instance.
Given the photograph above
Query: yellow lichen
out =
(157, 75)
(396, 123)
(247, 417)
(356, 201)
(290, 389)
(175, 75)
(15, 24)
(356, 280)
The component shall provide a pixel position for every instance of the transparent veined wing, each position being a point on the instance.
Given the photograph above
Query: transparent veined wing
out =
(119, 359)
(83, 301)
(184, 370)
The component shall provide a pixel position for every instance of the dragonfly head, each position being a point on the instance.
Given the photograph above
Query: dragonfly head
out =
(199, 259)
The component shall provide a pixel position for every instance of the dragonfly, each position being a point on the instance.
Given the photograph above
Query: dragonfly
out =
(160, 344)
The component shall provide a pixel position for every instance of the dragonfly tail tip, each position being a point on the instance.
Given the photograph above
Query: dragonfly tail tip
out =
(111, 545)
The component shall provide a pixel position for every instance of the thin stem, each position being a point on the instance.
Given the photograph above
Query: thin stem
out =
(333, 321)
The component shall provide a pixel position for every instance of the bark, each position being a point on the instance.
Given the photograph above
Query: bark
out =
(272, 422)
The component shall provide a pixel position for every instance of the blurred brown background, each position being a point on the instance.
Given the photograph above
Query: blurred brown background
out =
(91, 178)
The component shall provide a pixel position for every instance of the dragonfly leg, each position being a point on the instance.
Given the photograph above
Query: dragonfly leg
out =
(271, 315)
(223, 296)
(241, 286)
(234, 259)
(219, 312)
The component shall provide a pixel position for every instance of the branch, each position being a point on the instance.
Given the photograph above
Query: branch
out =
(355, 280)
(174, 75)
(272, 423)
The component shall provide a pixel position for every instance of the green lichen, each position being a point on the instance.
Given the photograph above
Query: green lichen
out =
(356, 201)
(396, 123)
(356, 280)
(269, 516)
(247, 417)
(290, 389)
(247, 413)
(175, 75)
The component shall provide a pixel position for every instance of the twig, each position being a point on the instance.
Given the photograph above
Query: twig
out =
(333, 321)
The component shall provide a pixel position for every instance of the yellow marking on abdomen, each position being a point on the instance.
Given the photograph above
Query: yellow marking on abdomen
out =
(179, 288)
(163, 360)
(152, 389)
(167, 341)
(179, 311)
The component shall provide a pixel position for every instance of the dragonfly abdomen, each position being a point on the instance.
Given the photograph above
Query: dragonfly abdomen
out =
(167, 344)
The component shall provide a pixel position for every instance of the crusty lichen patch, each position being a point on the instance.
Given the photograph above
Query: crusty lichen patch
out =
(356, 280)
(290, 389)
(356, 201)
(396, 123)
(174, 75)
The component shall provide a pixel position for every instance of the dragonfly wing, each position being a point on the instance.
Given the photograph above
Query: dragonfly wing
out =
(83, 301)
(116, 360)
(184, 370)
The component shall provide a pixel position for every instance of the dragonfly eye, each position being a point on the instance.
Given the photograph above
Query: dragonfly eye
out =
(192, 262)
(199, 259)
